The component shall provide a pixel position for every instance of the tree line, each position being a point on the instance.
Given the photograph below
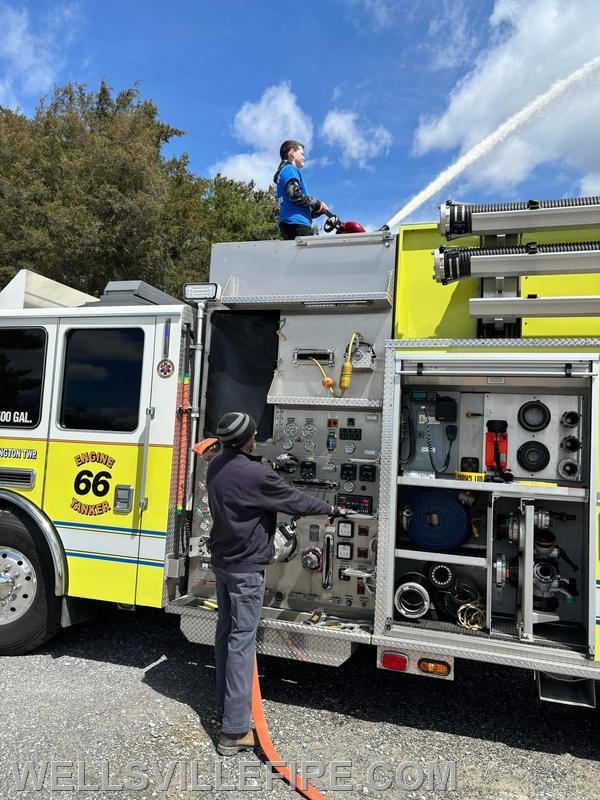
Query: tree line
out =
(86, 195)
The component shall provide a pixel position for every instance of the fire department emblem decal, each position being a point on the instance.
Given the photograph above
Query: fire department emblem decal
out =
(165, 368)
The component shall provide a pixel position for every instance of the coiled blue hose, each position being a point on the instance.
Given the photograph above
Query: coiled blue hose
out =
(438, 521)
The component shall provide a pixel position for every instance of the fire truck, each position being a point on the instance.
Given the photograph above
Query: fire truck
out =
(439, 384)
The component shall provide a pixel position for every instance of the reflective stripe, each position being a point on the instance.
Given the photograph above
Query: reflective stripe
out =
(97, 557)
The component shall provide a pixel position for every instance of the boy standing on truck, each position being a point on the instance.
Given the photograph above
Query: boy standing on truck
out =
(296, 208)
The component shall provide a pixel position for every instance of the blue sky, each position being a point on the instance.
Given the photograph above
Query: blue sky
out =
(386, 93)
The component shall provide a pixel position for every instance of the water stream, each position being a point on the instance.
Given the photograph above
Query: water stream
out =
(485, 145)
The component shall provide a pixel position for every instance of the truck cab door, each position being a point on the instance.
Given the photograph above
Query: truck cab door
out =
(99, 435)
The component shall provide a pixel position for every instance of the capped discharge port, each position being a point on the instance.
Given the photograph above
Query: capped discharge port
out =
(534, 416)
(571, 444)
(570, 419)
(533, 456)
(568, 468)
(309, 356)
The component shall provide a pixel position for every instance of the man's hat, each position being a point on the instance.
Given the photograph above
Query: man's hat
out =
(235, 428)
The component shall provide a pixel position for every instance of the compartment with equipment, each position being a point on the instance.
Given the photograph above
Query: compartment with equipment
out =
(441, 520)
(536, 436)
(540, 571)
(440, 559)
(499, 436)
(429, 432)
(492, 482)
(440, 596)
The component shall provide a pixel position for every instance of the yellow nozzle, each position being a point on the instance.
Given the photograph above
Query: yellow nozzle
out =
(345, 376)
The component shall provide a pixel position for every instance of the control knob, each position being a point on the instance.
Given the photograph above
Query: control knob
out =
(311, 559)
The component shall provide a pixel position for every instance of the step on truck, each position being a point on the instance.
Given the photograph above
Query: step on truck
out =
(441, 385)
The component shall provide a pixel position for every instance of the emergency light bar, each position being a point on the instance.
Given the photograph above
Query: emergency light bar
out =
(457, 263)
(202, 291)
(463, 219)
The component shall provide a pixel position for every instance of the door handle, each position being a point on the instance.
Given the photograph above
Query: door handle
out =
(123, 502)
(143, 501)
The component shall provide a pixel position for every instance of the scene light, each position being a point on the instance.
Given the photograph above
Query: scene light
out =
(202, 291)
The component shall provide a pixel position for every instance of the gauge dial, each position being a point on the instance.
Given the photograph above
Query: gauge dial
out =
(309, 445)
(349, 486)
(291, 429)
(287, 444)
(349, 447)
(309, 429)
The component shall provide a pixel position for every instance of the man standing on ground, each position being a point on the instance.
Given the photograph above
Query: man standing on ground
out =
(245, 497)
(296, 208)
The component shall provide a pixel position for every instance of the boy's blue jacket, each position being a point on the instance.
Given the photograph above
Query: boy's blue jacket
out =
(288, 211)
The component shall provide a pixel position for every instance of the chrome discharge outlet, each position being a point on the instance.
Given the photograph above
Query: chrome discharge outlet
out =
(412, 599)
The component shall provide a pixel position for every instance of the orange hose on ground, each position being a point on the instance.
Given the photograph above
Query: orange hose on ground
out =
(264, 738)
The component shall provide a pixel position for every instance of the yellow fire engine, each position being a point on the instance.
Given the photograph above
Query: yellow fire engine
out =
(464, 449)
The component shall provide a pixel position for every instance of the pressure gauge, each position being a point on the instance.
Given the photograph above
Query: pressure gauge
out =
(309, 429)
(349, 486)
(309, 445)
(349, 447)
(287, 444)
(291, 429)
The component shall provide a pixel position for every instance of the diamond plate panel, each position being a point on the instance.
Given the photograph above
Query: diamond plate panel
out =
(482, 344)
(330, 402)
(546, 662)
(282, 639)
(301, 646)
(284, 299)
(387, 484)
(199, 629)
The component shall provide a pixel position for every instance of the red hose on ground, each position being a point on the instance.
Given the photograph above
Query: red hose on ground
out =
(264, 738)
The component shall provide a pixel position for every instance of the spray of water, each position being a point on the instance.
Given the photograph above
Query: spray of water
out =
(485, 145)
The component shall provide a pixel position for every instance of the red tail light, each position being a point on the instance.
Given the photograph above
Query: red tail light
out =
(395, 661)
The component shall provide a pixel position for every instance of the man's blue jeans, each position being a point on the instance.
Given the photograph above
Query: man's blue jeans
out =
(240, 599)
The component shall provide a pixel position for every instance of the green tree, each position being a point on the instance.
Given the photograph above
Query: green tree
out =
(86, 195)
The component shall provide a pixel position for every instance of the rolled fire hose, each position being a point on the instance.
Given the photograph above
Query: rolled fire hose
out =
(264, 739)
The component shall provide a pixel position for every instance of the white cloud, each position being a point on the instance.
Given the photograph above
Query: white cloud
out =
(533, 44)
(457, 48)
(379, 13)
(263, 126)
(590, 184)
(359, 143)
(29, 58)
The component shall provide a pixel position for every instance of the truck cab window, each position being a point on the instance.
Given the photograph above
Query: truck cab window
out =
(22, 355)
(102, 379)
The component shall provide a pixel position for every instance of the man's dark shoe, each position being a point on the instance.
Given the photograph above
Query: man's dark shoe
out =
(231, 743)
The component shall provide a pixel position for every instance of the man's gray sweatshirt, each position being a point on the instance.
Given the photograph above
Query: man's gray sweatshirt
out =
(244, 498)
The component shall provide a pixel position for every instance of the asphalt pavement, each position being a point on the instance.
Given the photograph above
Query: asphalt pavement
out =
(123, 706)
